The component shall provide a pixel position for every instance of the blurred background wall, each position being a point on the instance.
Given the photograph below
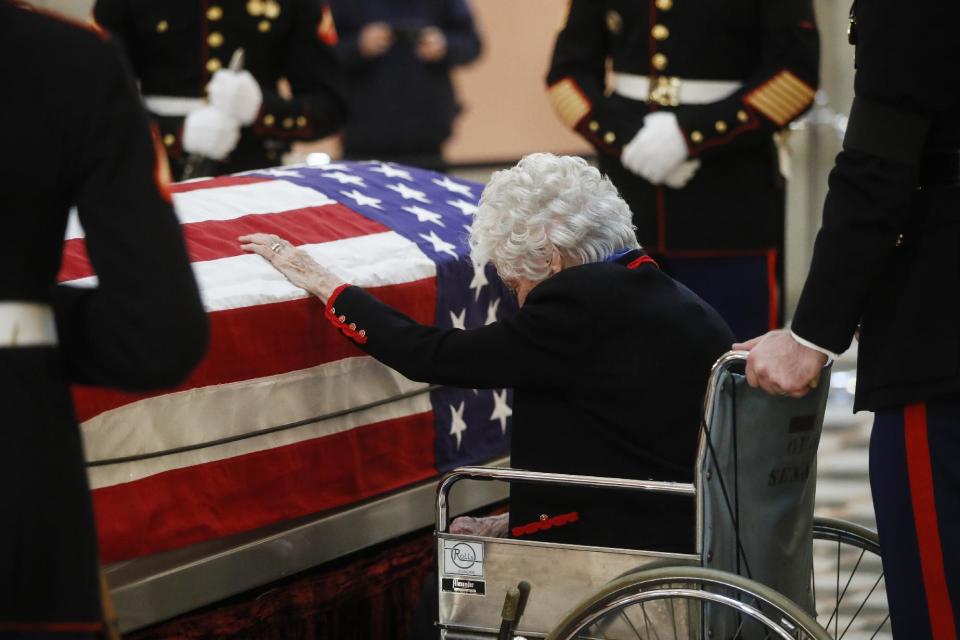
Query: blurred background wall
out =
(506, 113)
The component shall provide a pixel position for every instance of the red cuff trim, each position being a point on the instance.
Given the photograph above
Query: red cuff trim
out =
(643, 260)
(543, 525)
(340, 321)
(750, 125)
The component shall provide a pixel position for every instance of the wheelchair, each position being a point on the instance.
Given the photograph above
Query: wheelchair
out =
(753, 575)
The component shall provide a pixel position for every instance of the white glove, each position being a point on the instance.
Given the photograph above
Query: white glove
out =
(657, 148)
(237, 94)
(489, 527)
(679, 177)
(210, 132)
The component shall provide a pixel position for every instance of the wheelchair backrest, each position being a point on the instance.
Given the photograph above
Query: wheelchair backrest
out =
(756, 475)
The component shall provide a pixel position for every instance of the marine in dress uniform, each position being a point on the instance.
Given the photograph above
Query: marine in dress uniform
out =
(142, 326)
(887, 260)
(176, 47)
(732, 73)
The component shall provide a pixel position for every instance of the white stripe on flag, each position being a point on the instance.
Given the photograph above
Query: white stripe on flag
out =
(373, 260)
(209, 413)
(231, 202)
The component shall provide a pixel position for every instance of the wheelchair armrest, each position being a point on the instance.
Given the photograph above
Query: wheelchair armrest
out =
(506, 474)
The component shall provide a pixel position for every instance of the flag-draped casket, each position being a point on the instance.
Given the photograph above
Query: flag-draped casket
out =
(285, 417)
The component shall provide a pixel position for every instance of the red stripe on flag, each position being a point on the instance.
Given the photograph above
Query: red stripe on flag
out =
(312, 225)
(192, 504)
(920, 473)
(216, 239)
(215, 183)
(268, 339)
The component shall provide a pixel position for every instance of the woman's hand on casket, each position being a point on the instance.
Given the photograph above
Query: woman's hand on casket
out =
(295, 264)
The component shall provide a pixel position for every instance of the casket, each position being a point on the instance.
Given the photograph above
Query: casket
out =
(288, 446)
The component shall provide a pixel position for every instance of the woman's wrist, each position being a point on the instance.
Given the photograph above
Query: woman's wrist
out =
(323, 285)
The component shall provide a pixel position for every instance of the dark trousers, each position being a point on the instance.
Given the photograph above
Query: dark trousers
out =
(915, 478)
(744, 289)
(424, 624)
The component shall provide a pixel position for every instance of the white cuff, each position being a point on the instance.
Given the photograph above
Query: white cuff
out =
(810, 345)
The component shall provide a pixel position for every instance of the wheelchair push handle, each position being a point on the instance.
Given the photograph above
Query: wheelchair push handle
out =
(519, 475)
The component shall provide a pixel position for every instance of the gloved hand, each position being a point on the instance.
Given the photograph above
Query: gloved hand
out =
(679, 177)
(657, 149)
(489, 527)
(235, 93)
(210, 132)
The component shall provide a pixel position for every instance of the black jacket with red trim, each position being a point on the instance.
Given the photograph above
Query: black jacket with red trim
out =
(140, 326)
(771, 47)
(609, 366)
(175, 46)
(887, 257)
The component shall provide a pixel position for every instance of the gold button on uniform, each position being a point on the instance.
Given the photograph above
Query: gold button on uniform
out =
(215, 39)
(742, 116)
(609, 137)
(162, 26)
(271, 9)
(213, 64)
(664, 5)
(214, 13)
(720, 126)
(288, 123)
(301, 121)
(614, 22)
(169, 139)
(660, 32)
(697, 137)
(659, 61)
(255, 8)
(269, 119)
(594, 125)
(264, 26)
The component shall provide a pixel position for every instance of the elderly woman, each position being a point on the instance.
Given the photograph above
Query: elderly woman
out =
(608, 357)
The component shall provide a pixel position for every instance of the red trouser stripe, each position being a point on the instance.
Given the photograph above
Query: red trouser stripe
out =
(925, 518)
(773, 290)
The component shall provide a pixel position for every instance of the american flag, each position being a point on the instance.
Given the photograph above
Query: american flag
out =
(274, 361)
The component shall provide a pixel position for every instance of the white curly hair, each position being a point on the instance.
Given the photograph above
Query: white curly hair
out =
(549, 202)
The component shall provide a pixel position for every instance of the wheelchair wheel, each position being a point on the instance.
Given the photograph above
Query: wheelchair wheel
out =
(687, 603)
(848, 582)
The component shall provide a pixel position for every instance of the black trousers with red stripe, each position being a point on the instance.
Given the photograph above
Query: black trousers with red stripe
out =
(915, 478)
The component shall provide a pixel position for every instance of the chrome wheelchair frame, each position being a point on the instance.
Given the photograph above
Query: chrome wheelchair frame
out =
(625, 593)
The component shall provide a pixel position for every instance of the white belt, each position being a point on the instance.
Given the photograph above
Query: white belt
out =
(173, 105)
(27, 324)
(670, 90)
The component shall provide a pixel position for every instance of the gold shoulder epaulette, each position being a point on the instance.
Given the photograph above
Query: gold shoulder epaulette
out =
(781, 98)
